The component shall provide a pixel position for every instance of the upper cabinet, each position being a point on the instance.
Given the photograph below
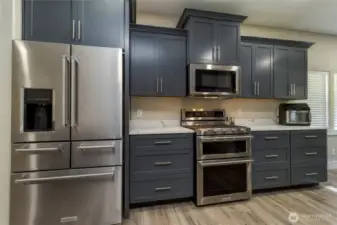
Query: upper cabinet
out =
(158, 61)
(213, 37)
(272, 68)
(96, 23)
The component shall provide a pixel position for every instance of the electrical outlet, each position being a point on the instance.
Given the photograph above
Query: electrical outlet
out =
(139, 113)
(333, 151)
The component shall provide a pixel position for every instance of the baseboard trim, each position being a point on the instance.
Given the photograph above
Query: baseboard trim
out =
(332, 165)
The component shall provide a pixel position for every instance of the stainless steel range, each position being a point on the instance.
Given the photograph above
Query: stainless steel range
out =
(223, 159)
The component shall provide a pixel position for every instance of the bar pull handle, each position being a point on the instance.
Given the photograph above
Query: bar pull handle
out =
(95, 147)
(74, 29)
(218, 53)
(272, 178)
(74, 70)
(258, 88)
(61, 178)
(157, 84)
(294, 89)
(163, 189)
(271, 156)
(163, 163)
(311, 174)
(271, 138)
(65, 69)
(27, 150)
(161, 85)
(163, 142)
(79, 30)
(255, 93)
(311, 153)
(213, 54)
(311, 136)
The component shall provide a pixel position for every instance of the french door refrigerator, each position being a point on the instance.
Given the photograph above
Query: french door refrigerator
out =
(66, 134)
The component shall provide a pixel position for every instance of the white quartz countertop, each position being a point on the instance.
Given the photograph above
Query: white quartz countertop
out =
(157, 127)
(281, 127)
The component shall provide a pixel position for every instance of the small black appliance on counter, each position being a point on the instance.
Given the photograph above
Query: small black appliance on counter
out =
(295, 114)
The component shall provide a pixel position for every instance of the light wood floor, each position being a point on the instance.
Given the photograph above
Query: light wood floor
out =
(314, 205)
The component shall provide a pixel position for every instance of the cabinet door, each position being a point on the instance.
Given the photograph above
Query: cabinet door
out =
(201, 41)
(298, 73)
(281, 73)
(144, 64)
(246, 63)
(263, 73)
(228, 41)
(101, 23)
(172, 65)
(48, 21)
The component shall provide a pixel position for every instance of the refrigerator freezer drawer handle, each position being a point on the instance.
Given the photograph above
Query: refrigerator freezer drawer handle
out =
(94, 147)
(38, 150)
(61, 178)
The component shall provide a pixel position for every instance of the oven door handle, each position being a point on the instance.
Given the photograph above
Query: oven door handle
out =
(225, 138)
(223, 162)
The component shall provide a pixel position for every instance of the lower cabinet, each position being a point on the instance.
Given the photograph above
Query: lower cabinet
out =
(285, 158)
(161, 167)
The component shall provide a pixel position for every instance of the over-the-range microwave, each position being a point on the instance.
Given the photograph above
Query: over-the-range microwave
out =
(208, 80)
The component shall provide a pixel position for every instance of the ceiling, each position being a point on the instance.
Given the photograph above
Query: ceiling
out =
(308, 15)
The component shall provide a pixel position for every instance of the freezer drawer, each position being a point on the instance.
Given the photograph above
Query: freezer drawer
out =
(40, 156)
(76, 197)
(96, 153)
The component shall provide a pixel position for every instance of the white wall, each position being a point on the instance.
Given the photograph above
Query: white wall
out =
(5, 106)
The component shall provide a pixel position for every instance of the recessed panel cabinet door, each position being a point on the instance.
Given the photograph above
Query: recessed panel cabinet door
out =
(144, 63)
(263, 74)
(47, 20)
(247, 68)
(201, 41)
(281, 73)
(172, 65)
(298, 76)
(228, 42)
(100, 23)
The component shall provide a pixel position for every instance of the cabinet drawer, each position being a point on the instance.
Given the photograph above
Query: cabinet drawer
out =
(271, 155)
(308, 154)
(273, 139)
(270, 177)
(308, 138)
(160, 144)
(180, 163)
(96, 153)
(177, 186)
(308, 174)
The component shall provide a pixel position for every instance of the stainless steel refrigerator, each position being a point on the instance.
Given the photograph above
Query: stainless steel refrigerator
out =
(66, 134)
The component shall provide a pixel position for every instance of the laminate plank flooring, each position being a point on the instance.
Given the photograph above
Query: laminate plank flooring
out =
(313, 206)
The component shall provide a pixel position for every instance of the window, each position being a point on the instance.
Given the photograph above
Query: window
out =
(318, 98)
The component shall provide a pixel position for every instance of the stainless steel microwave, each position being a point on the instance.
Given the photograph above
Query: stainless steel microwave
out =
(294, 114)
(213, 80)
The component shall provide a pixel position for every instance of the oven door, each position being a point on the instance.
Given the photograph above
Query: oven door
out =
(223, 180)
(217, 147)
(298, 117)
(213, 80)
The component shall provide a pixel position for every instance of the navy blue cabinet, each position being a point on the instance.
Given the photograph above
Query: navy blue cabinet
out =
(96, 23)
(158, 61)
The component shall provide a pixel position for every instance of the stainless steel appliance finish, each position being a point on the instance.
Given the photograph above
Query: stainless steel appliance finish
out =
(77, 196)
(97, 91)
(225, 78)
(294, 114)
(224, 157)
(40, 66)
(67, 134)
(40, 156)
(219, 198)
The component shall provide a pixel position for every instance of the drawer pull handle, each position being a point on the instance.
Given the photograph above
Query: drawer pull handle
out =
(272, 178)
(311, 153)
(311, 174)
(38, 150)
(163, 189)
(163, 163)
(270, 138)
(163, 142)
(271, 156)
(311, 136)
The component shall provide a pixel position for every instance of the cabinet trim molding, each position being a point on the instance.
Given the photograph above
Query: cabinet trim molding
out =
(290, 43)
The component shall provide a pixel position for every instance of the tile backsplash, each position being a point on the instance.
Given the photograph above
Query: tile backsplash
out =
(164, 108)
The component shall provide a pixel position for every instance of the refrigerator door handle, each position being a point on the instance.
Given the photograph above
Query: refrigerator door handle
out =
(74, 65)
(65, 69)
